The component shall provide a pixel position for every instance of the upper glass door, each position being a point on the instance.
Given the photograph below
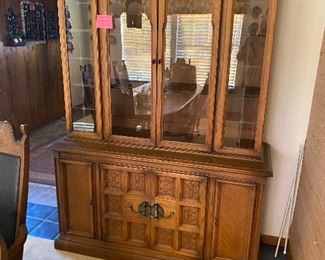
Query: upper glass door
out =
(248, 49)
(187, 86)
(132, 65)
(80, 65)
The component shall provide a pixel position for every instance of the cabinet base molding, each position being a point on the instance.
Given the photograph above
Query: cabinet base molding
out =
(107, 251)
(271, 240)
(289, 254)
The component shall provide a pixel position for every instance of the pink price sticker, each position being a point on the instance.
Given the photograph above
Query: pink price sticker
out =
(104, 21)
(32, 7)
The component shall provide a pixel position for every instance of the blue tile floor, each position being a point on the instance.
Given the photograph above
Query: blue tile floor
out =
(42, 221)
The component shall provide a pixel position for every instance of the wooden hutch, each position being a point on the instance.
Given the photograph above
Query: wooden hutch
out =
(165, 111)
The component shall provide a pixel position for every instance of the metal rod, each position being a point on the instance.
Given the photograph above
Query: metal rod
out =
(295, 194)
(283, 223)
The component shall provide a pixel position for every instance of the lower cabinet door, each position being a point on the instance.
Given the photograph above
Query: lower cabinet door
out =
(122, 191)
(160, 211)
(76, 198)
(181, 230)
(235, 220)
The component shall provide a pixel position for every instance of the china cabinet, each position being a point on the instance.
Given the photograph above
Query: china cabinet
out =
(165, 111)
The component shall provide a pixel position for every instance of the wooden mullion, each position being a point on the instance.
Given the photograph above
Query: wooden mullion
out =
(154, 70)
(161, 49)
(216, 18)
(226, 36)
(105, 72)
(98, 201)
(210, 216)
(256, 230)
(152, 194)
(265, 75)
(215, 220)
(65, 65)
(96, 66)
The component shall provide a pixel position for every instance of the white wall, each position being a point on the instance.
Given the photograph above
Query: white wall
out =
(300, 27)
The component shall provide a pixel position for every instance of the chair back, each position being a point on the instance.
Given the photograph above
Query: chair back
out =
(121, 74)
(14, 168)
(183, 76)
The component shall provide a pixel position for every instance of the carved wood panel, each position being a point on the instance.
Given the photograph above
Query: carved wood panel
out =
(137, 231)
(120, 189)
(113, 180)
(190, 215)
(166, 186)
(183, 199)
(164, 237)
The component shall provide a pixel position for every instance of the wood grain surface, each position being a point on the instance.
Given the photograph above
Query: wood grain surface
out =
(30, 78)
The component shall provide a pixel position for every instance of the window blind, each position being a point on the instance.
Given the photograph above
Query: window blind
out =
(236, 37)
(194, 41)
(168, 41)
(136, 49)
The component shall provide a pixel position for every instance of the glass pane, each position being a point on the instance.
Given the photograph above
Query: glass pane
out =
(78, 26)
(248, 44)
(130, 53)
(188, 44)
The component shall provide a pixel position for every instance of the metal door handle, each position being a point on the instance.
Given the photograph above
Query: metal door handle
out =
(144, 209)
(155, 211)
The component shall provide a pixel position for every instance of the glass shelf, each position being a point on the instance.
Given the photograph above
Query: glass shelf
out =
(246, 68)
(81, 65)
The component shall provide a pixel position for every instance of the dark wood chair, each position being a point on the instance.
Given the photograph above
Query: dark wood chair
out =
(123, 110)
(14, 174)
(183, 76)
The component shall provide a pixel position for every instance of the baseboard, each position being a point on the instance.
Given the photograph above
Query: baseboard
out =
(289, 255)
(271, 240)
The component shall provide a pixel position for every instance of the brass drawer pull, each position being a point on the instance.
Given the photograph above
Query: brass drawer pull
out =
(154, 211)
(144, 209)
(157, 212)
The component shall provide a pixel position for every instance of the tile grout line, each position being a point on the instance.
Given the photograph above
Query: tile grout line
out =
(43, 220)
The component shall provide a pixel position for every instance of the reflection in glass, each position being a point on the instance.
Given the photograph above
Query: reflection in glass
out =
(130, 54)
(188, 43)
(248, 44)
(78, 21)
